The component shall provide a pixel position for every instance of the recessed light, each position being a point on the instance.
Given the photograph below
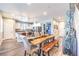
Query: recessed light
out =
(44, 13)
(29, 4)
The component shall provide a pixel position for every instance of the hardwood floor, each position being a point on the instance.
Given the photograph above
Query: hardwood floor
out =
(12, 48)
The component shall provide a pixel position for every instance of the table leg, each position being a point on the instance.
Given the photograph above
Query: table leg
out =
(40, 49)
(43, 53)
(25, 53)
(48, 53)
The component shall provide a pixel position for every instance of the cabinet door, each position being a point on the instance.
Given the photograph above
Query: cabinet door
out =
(1, 27)
(9, 29)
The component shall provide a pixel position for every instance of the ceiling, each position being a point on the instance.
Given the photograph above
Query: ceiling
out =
(36, 9)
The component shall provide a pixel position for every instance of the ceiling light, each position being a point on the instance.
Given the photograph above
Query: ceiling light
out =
(29, 4)
(59, 17)
(44, 13)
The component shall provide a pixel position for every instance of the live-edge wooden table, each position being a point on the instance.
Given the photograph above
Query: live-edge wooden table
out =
(41, 40)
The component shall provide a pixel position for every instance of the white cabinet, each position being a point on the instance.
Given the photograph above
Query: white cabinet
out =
(9, 29)
(1, 27)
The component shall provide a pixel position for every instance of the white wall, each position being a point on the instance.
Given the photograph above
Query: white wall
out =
(52, 25)
(61, 28)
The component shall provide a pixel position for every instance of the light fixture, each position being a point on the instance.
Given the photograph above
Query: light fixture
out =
(29, 4)
(59, 17)
(45, 13)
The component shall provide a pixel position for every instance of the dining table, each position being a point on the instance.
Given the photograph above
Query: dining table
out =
(40, 40)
